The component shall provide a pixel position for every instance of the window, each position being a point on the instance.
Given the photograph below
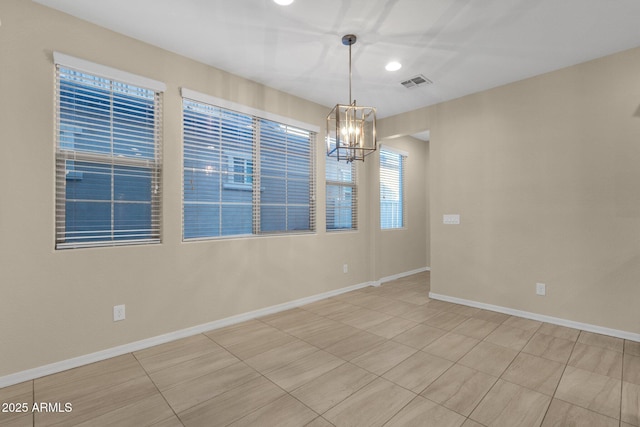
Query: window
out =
(342, 195)
(240, 169)
(392, 165)
(107, 158)
(217, 193)
(286, 178)
(244, 175)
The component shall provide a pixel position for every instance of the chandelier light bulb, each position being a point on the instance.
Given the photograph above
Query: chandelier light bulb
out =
(347, 131)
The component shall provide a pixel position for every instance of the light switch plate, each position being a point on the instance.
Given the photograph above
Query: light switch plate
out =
(451, 219)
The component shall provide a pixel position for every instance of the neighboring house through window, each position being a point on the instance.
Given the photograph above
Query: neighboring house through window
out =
(240, 171)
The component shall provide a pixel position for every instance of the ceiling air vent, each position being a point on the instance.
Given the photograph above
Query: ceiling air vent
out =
(416, 81)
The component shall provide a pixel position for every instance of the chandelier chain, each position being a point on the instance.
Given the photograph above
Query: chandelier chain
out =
(350, 100)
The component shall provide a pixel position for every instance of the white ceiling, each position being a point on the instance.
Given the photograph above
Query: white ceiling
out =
(464, 46)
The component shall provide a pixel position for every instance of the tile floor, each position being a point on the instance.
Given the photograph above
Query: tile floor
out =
(377, 356)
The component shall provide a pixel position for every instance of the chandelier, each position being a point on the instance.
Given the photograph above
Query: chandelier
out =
(351, 129)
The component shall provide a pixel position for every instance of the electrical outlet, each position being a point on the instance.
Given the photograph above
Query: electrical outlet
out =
(541, 289)
(118, 312)
(345, 268)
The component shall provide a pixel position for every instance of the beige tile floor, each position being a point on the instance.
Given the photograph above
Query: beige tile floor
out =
(377, 356)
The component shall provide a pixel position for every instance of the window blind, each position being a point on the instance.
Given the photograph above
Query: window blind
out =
(342, 195)
(108, 161)
(244, 175)
(287, 191)
(218, 171)
(392, 212)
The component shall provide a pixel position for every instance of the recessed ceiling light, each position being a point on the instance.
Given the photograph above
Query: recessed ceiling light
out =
(393, 66)
(283, 2)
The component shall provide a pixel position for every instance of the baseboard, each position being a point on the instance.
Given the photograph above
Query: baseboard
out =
(540, 317)
(400, 275)
(75, 362)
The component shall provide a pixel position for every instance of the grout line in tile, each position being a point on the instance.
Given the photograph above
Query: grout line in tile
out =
(587, 409)
(561, 375)
(157, 389)
(621, 385)
(285, 392)
(481, 400)
(505, 370)
(400, 410)
(33, 400)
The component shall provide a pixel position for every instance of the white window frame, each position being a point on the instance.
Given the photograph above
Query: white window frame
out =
(392, 223)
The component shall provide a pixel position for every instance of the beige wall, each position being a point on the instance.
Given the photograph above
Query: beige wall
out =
(55, 305)
(545, 174)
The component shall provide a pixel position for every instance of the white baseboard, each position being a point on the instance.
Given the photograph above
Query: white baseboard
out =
(75, 362)
(540, 317)
(400, 275)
